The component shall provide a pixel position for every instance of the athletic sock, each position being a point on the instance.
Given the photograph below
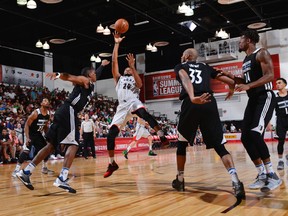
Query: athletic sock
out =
(150, 148)
(29, 168)
(261, 169)
(111, 160)
(64, 173)
(269, 168)
(128, 148)
(180, 176)
(233, 173)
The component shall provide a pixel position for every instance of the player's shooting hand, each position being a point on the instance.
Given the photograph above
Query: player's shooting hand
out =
(117, 37)
(131, 60)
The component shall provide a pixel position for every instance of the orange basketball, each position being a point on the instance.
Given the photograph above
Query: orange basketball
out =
(121, 26)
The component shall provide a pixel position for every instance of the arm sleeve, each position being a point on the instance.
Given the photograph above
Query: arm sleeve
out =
(99, 71)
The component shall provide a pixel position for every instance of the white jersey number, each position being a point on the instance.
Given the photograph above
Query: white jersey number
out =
(195, 75)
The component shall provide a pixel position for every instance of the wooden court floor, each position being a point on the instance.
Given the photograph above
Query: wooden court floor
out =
(142, 186)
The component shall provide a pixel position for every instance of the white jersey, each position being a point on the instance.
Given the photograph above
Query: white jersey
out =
(126, 89)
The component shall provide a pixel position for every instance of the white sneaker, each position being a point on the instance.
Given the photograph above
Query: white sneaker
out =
(59, 156)
(273, 182)
(14, 173)
(64, 185)
(52, 157)
(258, 183)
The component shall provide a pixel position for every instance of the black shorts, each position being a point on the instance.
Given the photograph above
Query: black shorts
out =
(282, 127)
(205, 116)
(258, 113)
(64, 128)
(38, 141)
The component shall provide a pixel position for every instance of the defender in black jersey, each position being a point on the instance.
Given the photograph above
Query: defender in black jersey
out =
(282, 119)
(258, 74)
(63, 129)
(35, 128)
(195, 78)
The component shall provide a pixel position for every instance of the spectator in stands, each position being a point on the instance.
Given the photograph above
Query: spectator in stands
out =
(6, 145)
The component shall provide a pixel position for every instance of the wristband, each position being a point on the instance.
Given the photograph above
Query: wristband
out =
(57, 75)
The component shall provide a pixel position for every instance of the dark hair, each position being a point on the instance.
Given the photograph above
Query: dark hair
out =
(284, 80)
(252, 35)
(85, 71)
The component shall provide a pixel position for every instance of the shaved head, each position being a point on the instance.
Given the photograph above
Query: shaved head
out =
(189, 55)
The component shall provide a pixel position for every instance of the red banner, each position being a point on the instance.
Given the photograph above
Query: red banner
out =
(162, 85)
(236, 69)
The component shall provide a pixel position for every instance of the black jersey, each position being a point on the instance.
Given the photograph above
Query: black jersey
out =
(200, 75)
(282, 106)
(80, 97)
(37, 126)
(252, 71)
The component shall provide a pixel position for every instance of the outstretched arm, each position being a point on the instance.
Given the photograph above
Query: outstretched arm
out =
(78, 80)
(101, 67)
(131, 61)
(115, 66)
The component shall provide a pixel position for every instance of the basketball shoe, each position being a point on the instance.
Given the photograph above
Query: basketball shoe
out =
(179, 186)
(64, 185)
(25, 179)
(273, 182)
(239, 191)
(280, 165)
(151, 153)
(111, 168)
(259, 182)
(125, 153)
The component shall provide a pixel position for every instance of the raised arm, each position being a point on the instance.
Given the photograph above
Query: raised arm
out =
(101, 67)
(131, 61)
(115, 66)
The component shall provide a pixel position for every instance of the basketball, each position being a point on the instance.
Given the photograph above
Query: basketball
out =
(121, 26)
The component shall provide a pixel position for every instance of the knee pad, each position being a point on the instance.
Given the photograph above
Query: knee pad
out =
(221, 150)
(112, 134)
(24, 156)
(142, 113)
(181, 148)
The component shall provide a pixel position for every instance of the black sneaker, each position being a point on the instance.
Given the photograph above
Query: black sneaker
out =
(64, 185)
(111, 168)
(25, 179)
(125, 153)
(179, 186)
(151, 153)
(239, 191)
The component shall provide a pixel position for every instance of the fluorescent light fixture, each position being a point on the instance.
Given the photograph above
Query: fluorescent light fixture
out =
(39, 44)
(106, 31)
(154, 49)
(227, 2)
(100, 29)
(92, 58)
(46, 46)
(21, 2)
(184, 44)
(31, 4)
(98, 59)
(149, 47)
(264, 29)
(141, 23)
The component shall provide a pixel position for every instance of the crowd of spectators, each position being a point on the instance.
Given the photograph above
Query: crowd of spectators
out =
(17, 103)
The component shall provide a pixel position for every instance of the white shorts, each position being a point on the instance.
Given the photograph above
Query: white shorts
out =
(124, 112)
(141, 131)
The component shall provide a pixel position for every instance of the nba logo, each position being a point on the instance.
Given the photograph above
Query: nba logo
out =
(155, 88)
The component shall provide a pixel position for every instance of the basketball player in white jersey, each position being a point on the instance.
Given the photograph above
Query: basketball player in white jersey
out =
(127, 89)
(140, 131)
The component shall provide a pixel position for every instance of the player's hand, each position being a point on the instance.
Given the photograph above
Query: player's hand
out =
(28, 142)
(230, 93)
(117, 37)
(51, 75)
(242, 87)
(131, 60)
(204, 98)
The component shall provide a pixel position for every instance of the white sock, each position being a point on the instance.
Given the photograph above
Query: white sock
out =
(281, 159)
(233, 173)
(44, 164)
(128, 148)
(269, 167)
(180, 176)
(150, 148)
(29, 168)
(261, 170)
(111, 160)
(64, 173)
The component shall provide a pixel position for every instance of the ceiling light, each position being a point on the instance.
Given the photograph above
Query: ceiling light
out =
(189, 12)
(257, 25)
(93, 58)
(106, 31)
(39, 44)
(229, 1)
(222, 34)
(183, 8)
(21, 2)
(46, 46)
(149, 47)
(98, 59)
(141, 23)
(31, 4)
(51, 1)
(100, 29)
(154, 49)
(189, 24)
